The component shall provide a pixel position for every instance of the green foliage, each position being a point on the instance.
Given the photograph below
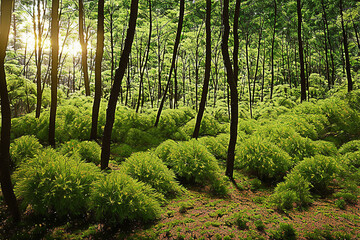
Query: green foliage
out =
(24, 148)
(164, 149)
(86, 150)
(351, 153)
(148, 168)
(294, 191)
(262, 158)
(320, 171)
(121, 151)
(118, 197)
(217, 146)
(138, 138)
(192, 162)
(51, 182)
(284, 232)
(260, 226)
(241, 220)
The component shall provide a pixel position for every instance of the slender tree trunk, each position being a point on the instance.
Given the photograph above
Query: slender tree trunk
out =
(257, 61)
(115, 90)
(272, 52)
(231, 79)
(5, 179)
(356, 34)
(301, 53)
(248, 71)
(263, 75)
(143, 68)
(98, 61)
(83, 44)
(38, 55)
(207, 70)
(236, 40)
(177, 42)
(347, 57)
(54, 68)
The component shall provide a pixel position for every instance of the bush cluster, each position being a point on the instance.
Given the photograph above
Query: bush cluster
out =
(86, 150)
(24, 148)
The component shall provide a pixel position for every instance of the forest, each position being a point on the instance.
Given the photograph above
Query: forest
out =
(200, 119)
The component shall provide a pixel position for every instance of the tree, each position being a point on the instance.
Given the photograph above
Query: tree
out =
(301, 53)
(6, 185)
(54, 68)
(207, 70)
(83, 43)
(233, 92)
(346, 49)
(98, 61)
(115, 90)
(176, 46)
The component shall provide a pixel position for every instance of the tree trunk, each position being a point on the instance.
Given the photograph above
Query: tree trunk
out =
(207, 70)
(83, 44)
(177, 41)
(115, 90)
(54, 68)
(347, 57)
(231, 79)
(5, 179)
(98, 61)
(38, 56)
(272, 52)
(301, 54)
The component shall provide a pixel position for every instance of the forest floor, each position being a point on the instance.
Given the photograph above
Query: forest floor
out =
(199, 215)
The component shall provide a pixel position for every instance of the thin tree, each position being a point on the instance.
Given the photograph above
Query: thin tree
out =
(345, 42)
(98, 61)
(301, 53)
(176, 46)
(6, 185)
(272, 51)
(54, 68)
(83, 44)
(115, 90)
(233, 92)
(207, 70)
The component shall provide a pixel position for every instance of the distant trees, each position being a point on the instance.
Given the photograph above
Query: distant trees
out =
(301, 53)
(83, 43)
(5, 179)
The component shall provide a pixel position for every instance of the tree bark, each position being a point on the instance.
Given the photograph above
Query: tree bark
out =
(5, 179)
(115, 90)
(83, 44)
(177, 41)
(207, 71)
(98, 61)
(347, 57)
(38, 56)
(231, 79)
(54, 68)
(301, 54)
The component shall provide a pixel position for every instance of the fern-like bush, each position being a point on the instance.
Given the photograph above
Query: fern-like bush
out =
(216, 145)
(52, 182)
(118, 197)
(23, 148)
(164, 149)
(351, 153)
(320, 171)
(192, 162)
(294, 191)
(121, 151)
(148, 168)
(262, 158)
(140, 139)
(86, 150)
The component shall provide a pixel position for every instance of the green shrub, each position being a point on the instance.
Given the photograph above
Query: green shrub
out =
(52, 182)
(260, 226)
(192, 162)
(146, 167)
(217, 146)
(241, 220)
(23, 148)
(324, 148)
(284, 232)
(140, 139)
(118, 197)
(351, 153)
(294, 191)
(289, 140)
(164, 149)
(320, 171)
(121, 151)
(86, 150)
(262, 158)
